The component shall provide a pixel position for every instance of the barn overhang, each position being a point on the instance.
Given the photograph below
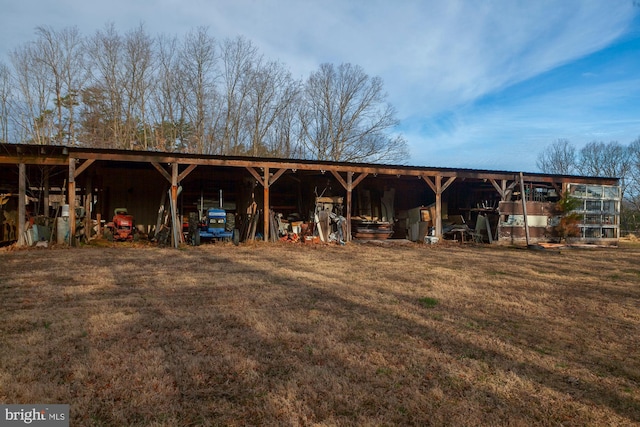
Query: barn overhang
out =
(77, 170)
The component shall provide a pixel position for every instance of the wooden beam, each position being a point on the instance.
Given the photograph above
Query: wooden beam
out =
(174, 205)
(308, 165)
(162, 171)
(444, 186)
(438, 188)
(448, 183)
(255, 174)
(186, 172)
(266, 181)
(22, 209)
(138, 156)
(349, 188)
(161, 209)
(340, 179)
(33, 160)
(438, 223)
(265, 215)
(168, 177)
(503, 190)
(349, 185)
(509, 191)
(84, 166)
(72, 201)
(359, 179)
(88, 204)
(276, 175)
(152, 157)
(499, 189)
(524, 207)
(45, 211)
(431, 184)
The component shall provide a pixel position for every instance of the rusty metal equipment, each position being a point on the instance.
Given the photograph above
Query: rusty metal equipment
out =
(122, 228)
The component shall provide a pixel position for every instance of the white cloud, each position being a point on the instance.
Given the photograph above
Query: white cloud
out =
(435, 57)
(510, 137)
(442, 52)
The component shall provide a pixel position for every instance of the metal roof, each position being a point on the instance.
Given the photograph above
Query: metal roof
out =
(59, 155)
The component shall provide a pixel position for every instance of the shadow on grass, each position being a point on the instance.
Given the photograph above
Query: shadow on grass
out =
(188, 342)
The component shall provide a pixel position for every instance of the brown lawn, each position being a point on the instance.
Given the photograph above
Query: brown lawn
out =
(292, 334)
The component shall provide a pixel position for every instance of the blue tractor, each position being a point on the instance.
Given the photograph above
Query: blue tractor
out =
(215, 225)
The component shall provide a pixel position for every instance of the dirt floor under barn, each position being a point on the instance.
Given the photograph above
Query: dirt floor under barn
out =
(294, 334)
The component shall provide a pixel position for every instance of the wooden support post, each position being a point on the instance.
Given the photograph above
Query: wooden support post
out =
(161, 209)
(173, 179)
(438, 189)
(265, 215)
(88, 205)
(45, 201)
(174, 205)
(524, 207)
(349, 197)
(72, 201)
(76, 171)
(438, 223)
(22, 209)
(349, 185)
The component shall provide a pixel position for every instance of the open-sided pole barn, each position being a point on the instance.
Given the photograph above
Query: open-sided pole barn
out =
(101, 180)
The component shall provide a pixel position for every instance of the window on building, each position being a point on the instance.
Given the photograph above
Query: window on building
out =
(600, 210)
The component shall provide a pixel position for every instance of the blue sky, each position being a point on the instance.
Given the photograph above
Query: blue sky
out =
(476, 84)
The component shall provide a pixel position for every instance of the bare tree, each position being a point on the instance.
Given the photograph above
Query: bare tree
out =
(198, 61)
(34, 118)
(558, 158)
(170, 133)
(48, 52)
(285, 135)
(193, 95)
(62, 57)
(96, 127)
(238, 58)
(271, 92)
(633, 181)
(5, 102)
(346, 117)
(106, 127)
(608, 160)
(138, 63)
(74, 76)
(600, 159)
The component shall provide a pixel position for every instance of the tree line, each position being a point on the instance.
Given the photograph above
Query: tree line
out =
(193, 94)
(598, 158)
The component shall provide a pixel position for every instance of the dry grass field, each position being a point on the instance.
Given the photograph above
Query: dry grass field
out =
(292, 334)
